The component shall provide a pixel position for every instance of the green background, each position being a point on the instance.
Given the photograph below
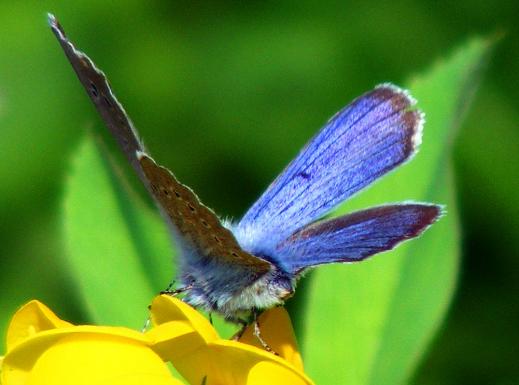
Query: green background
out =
(225, 94)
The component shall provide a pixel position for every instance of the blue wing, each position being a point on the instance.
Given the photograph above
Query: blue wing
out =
(365, 140)
(356, 236)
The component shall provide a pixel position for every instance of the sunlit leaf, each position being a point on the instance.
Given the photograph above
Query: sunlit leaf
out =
(117, 248)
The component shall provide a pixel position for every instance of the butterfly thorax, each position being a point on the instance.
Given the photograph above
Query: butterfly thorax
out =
(225, 278)
(219, 289)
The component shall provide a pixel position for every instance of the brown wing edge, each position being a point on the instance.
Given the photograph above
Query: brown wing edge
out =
(98, 89)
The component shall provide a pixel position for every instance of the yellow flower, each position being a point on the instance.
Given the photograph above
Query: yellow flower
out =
(199, 354)
(43, 349)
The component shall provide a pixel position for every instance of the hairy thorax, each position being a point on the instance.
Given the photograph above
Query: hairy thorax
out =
(267, 291)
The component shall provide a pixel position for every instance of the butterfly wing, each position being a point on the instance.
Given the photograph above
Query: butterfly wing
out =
(354, 237)
(203, 239)
(98, 89)
(197, 227)
(370, 137)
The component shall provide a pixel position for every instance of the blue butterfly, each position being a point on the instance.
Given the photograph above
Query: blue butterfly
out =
(239, 268)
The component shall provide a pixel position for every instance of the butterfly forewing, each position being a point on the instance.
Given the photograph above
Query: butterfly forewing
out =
(99, 91)
(194, 222)
(202, 236)
(367, 139)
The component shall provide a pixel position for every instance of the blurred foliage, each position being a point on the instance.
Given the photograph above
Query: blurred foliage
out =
(225, 93)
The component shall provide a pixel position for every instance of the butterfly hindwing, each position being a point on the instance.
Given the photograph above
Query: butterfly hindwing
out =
(370, 137)
(356, 236)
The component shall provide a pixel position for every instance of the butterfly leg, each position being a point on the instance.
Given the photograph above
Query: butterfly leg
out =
(146, 324)
(240, 332)
(170, 286)
(178, 291)
(257, 333)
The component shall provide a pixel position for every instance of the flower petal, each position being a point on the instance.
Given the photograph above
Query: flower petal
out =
(166, 308)
(185, 338)
(31, 318)
(179, 329)
(235, 363)
(42, 349)
(98, 359)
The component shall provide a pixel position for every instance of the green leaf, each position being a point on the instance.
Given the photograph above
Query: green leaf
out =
(370, 323)
(118, 248)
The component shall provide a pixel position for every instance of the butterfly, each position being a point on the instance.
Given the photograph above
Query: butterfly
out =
(235, 268)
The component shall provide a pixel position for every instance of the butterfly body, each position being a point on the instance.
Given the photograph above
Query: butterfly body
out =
(232, 300)
(224, 277)
(234, 268)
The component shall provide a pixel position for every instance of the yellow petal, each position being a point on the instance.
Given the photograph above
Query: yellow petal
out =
(46, 350)
(99, 359)
(276, 330)
(178, 328)
(235, 363)
(31, 318)
(25, 354)
(185, 338)
(166, 308)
